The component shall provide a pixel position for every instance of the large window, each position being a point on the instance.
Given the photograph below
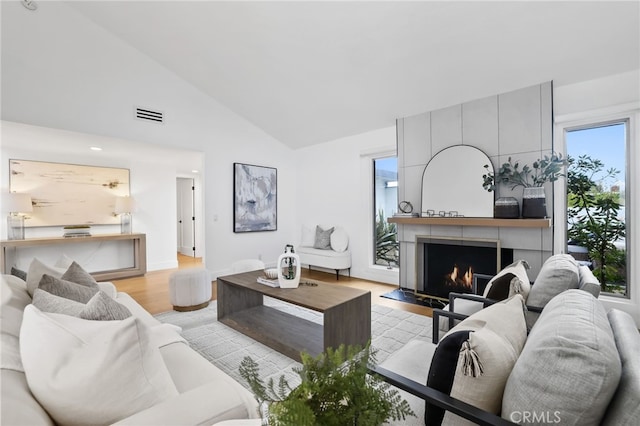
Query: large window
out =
(597, 219)
(386, 250)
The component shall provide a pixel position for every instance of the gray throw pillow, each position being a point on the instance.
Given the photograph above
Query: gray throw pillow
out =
(67, 289)
(103, 308)
(569, 367)
(77, 275)
(48, 302)
(624, 409)
(588, 282)
(36, 270)
(19, 273)
(323, 238)
(558, 273)
(99, 308)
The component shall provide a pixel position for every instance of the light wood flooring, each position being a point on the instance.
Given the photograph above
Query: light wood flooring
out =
(152, 290)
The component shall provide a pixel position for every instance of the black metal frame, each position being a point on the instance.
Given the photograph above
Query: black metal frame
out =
(434, 396)
(452, 315)
(440, 399)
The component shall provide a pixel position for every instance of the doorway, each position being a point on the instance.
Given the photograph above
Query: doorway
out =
(186, 227)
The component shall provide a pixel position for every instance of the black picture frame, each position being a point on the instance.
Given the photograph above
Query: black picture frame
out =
(255, 198)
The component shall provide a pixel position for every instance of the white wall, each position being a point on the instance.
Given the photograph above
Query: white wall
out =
(152, 186)
(604, 99)
(614, 91)
(335, 187)
(59, 70)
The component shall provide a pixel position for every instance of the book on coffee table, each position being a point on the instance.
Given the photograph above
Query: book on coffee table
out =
(270, 283)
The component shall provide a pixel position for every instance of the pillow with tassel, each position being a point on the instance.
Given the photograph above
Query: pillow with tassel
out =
(474, 359)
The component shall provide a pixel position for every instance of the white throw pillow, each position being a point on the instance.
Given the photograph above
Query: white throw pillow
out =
(36, 270)
(474, 359)
(339, 240)
(91, 372)
(308, 236)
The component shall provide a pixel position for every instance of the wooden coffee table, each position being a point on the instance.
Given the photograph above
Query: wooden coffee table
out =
(346, 310)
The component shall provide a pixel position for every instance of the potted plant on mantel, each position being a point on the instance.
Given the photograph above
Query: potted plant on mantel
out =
(335, 390)
(546, 169)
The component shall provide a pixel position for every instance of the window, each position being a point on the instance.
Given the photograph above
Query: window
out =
(597, 219)
(386, 250)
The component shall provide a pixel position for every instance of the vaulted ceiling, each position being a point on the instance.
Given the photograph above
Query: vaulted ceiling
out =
(309, 72)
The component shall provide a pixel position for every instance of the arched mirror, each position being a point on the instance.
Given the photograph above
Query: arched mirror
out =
(452, 183)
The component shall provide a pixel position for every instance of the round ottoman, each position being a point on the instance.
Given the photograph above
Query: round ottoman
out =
(190, 289)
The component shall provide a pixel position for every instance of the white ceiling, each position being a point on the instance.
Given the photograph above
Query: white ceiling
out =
(310, 72)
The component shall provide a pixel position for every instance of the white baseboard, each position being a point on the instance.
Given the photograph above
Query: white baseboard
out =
(156, 266)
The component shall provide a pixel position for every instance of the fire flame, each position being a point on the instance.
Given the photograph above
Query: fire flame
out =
(466, 279)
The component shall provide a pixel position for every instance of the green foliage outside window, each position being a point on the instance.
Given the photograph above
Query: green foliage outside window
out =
(593, 220)
(387, 246)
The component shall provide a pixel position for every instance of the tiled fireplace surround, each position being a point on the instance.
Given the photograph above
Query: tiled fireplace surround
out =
(517, 124)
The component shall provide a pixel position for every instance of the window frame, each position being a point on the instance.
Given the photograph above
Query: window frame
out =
(617, 114)
(373, 271)
(375, 212)
(593, 125)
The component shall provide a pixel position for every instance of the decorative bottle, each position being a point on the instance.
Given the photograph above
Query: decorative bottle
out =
(289, 268)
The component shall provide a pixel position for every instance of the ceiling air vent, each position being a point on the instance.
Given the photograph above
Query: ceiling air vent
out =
(149, 115)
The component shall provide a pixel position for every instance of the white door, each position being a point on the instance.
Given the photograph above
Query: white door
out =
(186, 216)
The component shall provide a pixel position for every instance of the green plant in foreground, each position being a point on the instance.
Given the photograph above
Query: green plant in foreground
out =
(546, 169)
(335, 390)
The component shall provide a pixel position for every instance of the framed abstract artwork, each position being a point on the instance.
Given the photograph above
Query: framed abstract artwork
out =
(255, 206)
(69, 194)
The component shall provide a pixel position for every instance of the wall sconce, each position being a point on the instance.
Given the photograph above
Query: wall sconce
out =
(124, 207)
(15, 204)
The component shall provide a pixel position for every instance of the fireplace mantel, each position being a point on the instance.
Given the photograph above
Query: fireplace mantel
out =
(472, 221)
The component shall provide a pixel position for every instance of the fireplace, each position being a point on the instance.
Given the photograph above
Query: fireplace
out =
(461, 265)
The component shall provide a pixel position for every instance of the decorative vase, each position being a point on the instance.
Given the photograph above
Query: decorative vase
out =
(289, 268)
(534, 203)
(506, 208)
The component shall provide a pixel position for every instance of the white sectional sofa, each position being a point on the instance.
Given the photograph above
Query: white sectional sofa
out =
(201, 394)
(333, 253)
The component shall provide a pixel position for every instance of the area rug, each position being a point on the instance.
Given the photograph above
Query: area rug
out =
(391, 329)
